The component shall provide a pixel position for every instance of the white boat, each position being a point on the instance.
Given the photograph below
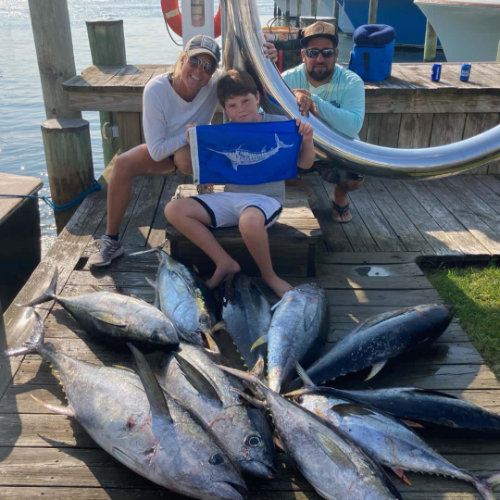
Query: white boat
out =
(469, 30)
(324, 8)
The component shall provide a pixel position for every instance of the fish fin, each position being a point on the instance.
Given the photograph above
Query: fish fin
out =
(62, 410)
(324, 442)
(401, 474)
(125, 368)
(254, 401)
(431, 392)
(124, 458)
(153, 284)
(414, 425)
(258, 368)
(154, 393)
(157, 249)
(484, 485)
(320, 414)
(201, 382)
(109, 319)
(49, 294)
(220, 325)
(246, 376)
(277, 442)
(306, 380)
(35, 341)
(96, 288)
(351, 409)
(260, 341)
(375, 369)
(211, 344)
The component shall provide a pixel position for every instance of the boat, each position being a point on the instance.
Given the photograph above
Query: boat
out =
(469, 30)
(406, 18)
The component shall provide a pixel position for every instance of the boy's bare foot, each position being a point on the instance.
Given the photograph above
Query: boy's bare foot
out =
(277, 285)
(223, 272)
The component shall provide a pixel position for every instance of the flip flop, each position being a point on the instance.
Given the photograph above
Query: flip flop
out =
(339, 211)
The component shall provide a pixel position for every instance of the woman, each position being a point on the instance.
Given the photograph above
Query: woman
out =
(170, 102)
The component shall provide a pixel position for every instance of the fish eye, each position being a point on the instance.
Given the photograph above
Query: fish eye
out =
(253, 440)
(300, 399)
(217, 459)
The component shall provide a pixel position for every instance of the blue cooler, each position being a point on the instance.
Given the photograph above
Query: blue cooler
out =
(373, 51)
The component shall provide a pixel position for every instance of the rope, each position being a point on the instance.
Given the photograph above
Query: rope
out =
(55, 206)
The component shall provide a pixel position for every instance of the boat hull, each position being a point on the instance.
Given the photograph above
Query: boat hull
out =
(468, 31)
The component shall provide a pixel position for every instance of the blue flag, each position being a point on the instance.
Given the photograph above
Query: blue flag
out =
(245, 153)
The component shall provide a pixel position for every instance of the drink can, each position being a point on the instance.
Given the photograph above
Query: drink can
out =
(436, 72)
(465, 72)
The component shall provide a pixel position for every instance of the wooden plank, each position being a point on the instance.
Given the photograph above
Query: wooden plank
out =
(483, 190)
(452, 231)
(375, 221)
(129, 126)
(385, 298)
(368, 257)
(470, 213)
(415, 131)
(475, 124)
(16, 185)
(447, 128)
(399, 221)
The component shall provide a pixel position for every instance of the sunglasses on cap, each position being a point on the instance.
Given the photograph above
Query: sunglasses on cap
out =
(314, 53)
(208, 67)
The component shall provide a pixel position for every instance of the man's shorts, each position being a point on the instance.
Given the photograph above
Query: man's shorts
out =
(330, 173)
(225, 209)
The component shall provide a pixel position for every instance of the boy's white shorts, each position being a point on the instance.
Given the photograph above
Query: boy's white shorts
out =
(225, 209)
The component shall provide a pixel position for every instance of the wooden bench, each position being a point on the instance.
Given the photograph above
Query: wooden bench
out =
(19, 233)
(293, 239)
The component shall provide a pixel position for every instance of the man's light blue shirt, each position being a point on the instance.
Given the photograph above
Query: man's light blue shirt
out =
(340, 102)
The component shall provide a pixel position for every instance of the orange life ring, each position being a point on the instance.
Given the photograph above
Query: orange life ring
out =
(173, 17)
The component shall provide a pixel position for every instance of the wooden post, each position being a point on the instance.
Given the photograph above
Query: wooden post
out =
(68, 151)
(498, 52)
(372, 12)
(430, 44)
(54, 50)
(107, 47)
(69, 162)
(314, 8)
(336, 14)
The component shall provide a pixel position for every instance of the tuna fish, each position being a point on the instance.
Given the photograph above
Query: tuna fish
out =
(151, 435)
(387, 440)
(335, 466)
(193, 379)
(380, 338)
(296, 332)
(429, 409)
(247, 316)
(115, 316)
(183, 298)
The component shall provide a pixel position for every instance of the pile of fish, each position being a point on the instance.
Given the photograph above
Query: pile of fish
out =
(192, 420)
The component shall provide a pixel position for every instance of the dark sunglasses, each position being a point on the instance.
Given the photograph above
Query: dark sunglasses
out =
(208, 67)
(314, 53)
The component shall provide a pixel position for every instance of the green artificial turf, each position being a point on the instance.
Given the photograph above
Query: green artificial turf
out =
(475, 293)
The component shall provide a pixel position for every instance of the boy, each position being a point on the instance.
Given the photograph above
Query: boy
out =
(252, 208)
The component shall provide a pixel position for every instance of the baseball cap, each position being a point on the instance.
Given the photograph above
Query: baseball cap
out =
(203, 44)
(318, 29)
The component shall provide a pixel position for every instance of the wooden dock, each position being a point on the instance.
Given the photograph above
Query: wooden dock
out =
(407, 110)
(367, 266)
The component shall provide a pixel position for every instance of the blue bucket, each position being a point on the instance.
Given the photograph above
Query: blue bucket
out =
(373, 51)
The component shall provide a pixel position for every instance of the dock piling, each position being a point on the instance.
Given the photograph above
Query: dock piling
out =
(372, 12)
(68, 156)
(430, 44)
(68, 151)
(107, 48)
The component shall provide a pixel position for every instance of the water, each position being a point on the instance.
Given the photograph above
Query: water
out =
(22, 110)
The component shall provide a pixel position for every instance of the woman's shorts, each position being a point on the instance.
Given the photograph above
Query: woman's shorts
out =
(225, 209)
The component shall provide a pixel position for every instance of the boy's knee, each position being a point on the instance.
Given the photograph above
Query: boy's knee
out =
(251, 219)
(352, 185)
(170, 210)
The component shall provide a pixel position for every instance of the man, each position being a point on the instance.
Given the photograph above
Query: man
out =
(333, 94)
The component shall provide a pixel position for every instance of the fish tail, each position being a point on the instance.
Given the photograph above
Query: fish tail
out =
(484, 485)
(49, 294)
(35, 342)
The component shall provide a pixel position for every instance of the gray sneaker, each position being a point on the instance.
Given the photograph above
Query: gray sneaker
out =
(108, 249)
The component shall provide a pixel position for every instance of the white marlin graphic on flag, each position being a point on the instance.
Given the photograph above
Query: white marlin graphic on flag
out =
(244, 157)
